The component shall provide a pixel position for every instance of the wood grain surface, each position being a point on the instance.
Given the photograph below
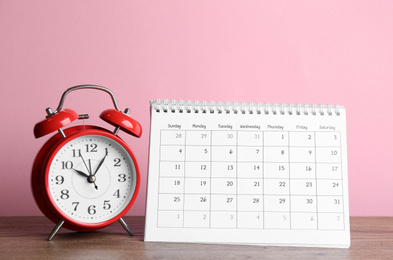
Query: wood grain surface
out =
(25, 238)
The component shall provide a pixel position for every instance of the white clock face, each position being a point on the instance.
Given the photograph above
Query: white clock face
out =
(92, 179)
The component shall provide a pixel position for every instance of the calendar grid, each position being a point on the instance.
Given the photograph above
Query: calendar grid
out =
(263, 180)
(289, 182)
(210, 178)
(237, 177)
(201, 168)
(342, 187)
(184, 176)
(250, 178)
(316, 183)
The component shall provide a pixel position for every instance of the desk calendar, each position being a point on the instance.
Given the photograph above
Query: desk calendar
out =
(248, 173)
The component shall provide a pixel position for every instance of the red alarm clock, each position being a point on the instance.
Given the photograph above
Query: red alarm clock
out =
(85, 177)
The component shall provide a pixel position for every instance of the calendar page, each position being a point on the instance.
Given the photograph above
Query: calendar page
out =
(248, 173)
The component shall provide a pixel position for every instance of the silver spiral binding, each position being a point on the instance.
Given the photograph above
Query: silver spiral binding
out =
(211, 107)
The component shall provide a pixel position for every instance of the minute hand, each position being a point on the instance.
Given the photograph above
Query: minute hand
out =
(99, 165)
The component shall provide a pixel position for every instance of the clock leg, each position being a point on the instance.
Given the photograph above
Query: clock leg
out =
(126, 227)
(56, 229)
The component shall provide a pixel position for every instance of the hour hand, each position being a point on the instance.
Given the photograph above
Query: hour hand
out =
(81, 173)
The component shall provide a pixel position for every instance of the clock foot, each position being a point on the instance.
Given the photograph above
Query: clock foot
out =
(126, 227)
(56, 229)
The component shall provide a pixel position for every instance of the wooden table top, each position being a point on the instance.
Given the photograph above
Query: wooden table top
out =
(25, 238)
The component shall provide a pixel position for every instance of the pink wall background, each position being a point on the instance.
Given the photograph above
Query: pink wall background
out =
(338, 52)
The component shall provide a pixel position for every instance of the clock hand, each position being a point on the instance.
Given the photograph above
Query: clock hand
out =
(88, 169)
(80, 173)
(90, 166)
(90, 178)
(99, 165)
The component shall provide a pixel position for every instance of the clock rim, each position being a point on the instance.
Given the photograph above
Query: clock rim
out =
(42, 193)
